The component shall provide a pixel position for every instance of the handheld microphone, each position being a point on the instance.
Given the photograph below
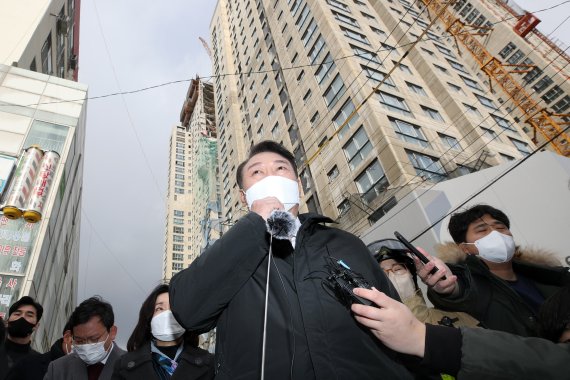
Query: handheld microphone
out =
(280, 224)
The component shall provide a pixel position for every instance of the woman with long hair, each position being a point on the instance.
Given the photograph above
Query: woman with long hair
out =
(159, 348)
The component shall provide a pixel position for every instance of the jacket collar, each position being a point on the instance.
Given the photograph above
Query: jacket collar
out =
(314, 218)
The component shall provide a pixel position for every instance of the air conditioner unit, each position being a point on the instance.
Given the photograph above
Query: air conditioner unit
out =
(63, 25)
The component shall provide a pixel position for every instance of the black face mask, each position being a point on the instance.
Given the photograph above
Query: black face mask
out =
(20, 328)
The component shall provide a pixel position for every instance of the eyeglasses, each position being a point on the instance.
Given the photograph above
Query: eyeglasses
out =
(396, 269)
(80, 341)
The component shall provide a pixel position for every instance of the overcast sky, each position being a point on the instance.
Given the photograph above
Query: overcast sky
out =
(129, 45)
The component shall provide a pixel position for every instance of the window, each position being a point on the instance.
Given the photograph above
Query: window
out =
(450, 142)
(334, 91)
(316, 49)
(456, 88)
(342, 115)
(355, 35)
(367, 16)
(178, 213)
(434, 114)
(417, 89)
(325, 69)
(378, 76)
(179, 176)
(276, 131)
(309, 33)
(486, 102)
(343, 207)
(177, 266)
(552, 94)
(516, 57)
(178, 230)
(542, 84)
(379, 32)
(506, 157)
(372, 182)
(365, 54)
(178, 190)
(562, 105)
(426, 166)
(394, 103)
(508, 49)
(267, 96)
(357, 148)
(503, 123)
(178, 221)
(409, 132)
(429, 52)
(345, 19)
(532, 74)
(489, 134)
(382, 210)
(472, 110)
(307, 96)
(271, 112)
(445, 51)
(471, 83)
(441, 69)
(178, 256)
(339, 5)
(521, 146)
(456, 65)
(47, 63)
(315, 118)
(404, 68)
(333, 173)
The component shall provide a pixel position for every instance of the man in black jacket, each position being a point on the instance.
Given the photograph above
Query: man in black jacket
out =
(492, 280)
(309, 334)
(34, 366)
(23, 319)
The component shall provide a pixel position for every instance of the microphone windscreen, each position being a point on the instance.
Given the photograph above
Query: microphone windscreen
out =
(280, 224)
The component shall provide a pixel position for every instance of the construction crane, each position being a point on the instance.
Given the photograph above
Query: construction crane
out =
(551, 126)
(206, 47)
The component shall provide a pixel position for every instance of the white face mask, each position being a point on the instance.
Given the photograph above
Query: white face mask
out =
(404, 284)
(284, 189)
(91, 353)
(495, 247)
(164, 327)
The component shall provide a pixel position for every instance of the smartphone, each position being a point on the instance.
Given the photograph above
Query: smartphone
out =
(415, 252)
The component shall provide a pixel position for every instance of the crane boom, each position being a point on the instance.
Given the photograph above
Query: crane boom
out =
(551, 126)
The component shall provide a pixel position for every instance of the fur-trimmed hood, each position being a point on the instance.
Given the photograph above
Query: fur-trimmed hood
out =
(451, 253)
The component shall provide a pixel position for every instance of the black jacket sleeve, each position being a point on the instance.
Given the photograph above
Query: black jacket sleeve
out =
(200, 293)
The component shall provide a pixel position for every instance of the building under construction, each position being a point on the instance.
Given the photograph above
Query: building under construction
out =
(193, 206)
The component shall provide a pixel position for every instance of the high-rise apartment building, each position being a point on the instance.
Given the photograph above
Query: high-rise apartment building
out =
(193, 206)
(42, 132)
(372, 98)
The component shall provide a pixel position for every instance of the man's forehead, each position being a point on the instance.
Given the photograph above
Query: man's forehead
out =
(27, 309)
(485, 220)
(266, 158)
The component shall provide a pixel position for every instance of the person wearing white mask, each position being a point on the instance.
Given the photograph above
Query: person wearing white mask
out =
(308, 333)
(396, 262)
(94, 352)
(159, 348)
(488, 276)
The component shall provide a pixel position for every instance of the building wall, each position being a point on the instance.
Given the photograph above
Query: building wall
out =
(432, 120)
(29, 27)
(49, 112)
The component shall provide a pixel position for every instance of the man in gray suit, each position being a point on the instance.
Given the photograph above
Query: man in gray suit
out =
(94, 351)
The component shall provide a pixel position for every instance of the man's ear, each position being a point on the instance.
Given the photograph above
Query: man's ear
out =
(242, 197)
(113, 332)
(464, 249)
(36, 326)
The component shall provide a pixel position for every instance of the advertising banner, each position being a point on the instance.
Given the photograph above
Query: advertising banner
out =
(17, 239)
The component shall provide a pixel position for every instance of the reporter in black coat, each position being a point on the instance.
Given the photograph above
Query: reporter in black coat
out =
(159, 348)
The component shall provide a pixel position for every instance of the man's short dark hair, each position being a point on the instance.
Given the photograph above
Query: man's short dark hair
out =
(460, 221)
(27, 300)
(262, 147)
(93, 307)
